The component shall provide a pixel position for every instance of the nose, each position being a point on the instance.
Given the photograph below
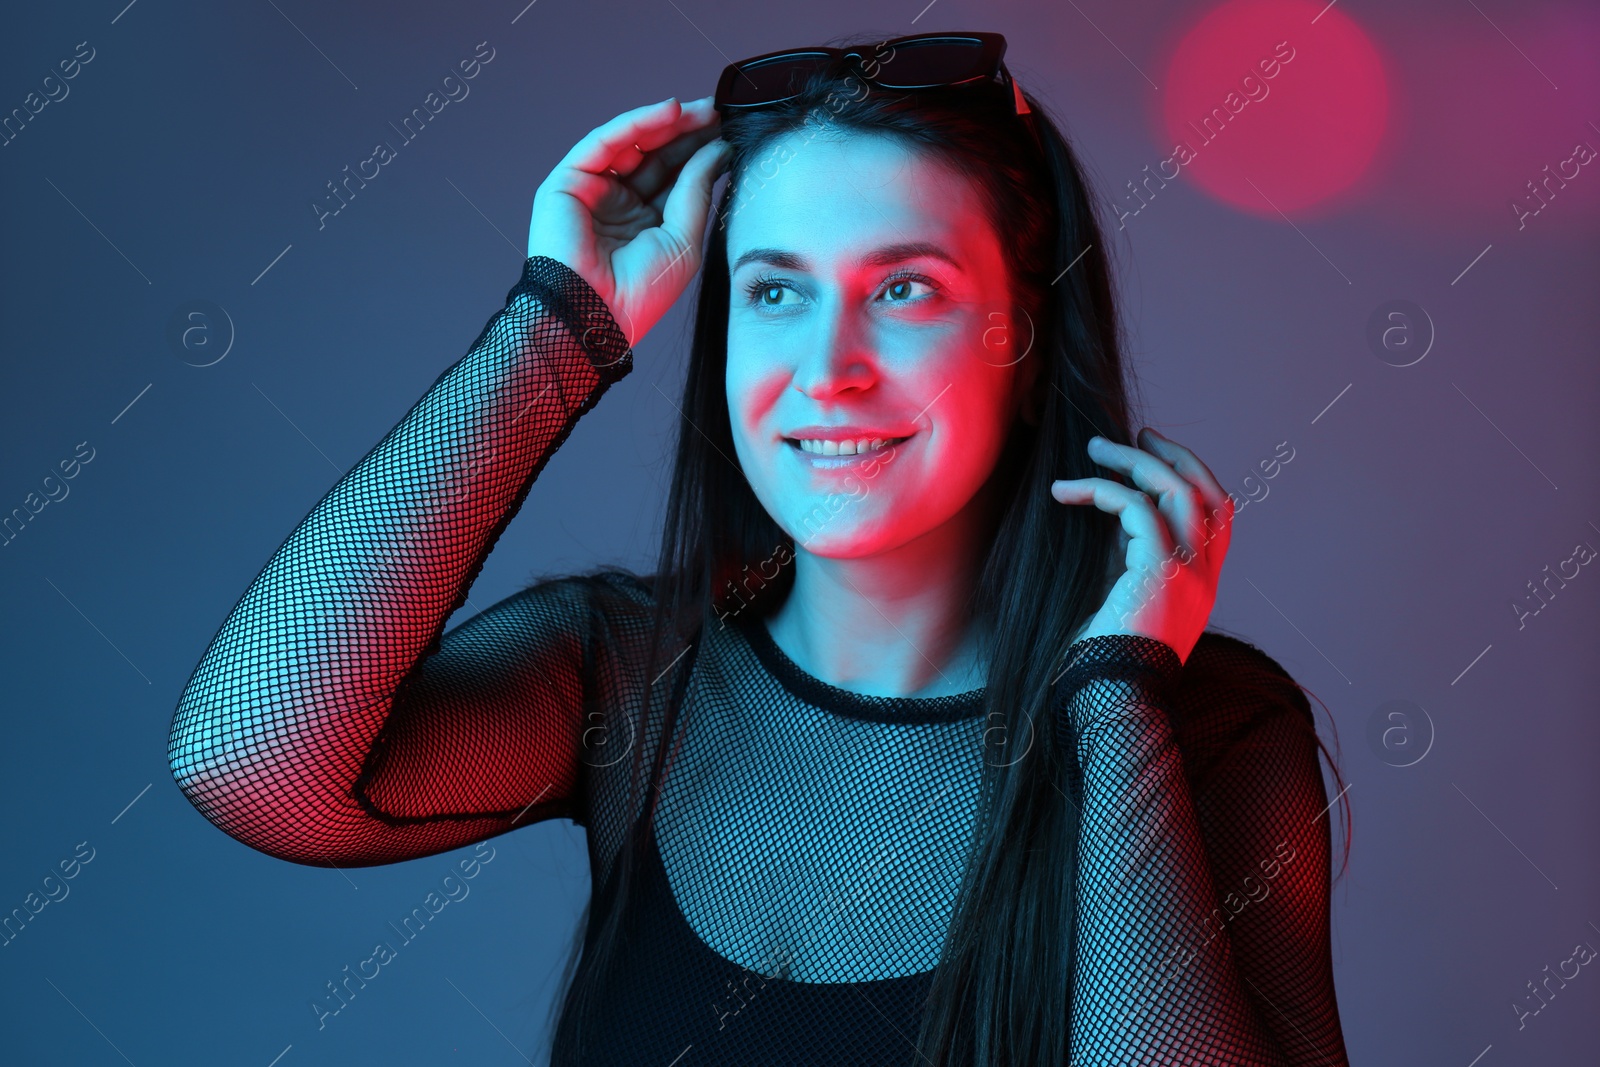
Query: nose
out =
(842, 360)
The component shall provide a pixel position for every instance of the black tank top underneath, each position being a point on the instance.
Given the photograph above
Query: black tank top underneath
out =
(710, 1016)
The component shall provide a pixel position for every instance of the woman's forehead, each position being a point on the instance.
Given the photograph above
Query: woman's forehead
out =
(824, 203)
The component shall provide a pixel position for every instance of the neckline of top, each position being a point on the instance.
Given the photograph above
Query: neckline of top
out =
(951, 707)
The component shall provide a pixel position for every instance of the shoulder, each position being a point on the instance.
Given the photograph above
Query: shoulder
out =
(621, 582)
(1232, 693)
(596, 605)
(1223, 669)
(621, 611)
(607, 587)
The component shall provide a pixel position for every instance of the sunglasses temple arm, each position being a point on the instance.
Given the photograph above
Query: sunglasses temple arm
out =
(1016, 91)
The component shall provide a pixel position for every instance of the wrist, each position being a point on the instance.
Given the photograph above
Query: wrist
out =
(576, 304)
(1145, 672)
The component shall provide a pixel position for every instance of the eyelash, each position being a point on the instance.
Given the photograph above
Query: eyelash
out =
(756, 286)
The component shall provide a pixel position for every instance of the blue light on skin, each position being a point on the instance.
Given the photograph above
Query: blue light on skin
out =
(823, 332)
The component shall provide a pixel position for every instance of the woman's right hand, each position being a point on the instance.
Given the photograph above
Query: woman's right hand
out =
(626, 208)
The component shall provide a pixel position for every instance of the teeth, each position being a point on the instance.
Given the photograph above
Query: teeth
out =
(847, 448)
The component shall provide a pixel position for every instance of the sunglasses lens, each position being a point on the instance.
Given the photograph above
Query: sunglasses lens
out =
(773, 79)
(938, 61)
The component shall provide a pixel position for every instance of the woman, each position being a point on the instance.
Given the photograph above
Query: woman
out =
(913, 749)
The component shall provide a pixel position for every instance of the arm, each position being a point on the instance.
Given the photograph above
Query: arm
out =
(329, 721)
(1251, 753)
(1155, 980)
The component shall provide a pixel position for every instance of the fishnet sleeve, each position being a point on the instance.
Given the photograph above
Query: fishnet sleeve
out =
(1156, 975)
(329, 721)
(1252, 759)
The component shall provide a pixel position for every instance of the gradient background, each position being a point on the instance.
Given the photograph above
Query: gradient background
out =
(1382, 565)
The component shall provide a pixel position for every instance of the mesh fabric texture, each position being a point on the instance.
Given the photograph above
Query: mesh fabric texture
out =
(808, 843)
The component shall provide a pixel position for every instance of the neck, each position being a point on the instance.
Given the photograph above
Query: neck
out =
(893, 624)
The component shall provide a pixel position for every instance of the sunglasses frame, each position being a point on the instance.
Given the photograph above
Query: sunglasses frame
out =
(990, 61)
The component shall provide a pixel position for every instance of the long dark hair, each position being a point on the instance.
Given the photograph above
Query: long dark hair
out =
(1000, 989)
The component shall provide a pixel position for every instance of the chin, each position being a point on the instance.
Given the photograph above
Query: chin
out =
(841, 537)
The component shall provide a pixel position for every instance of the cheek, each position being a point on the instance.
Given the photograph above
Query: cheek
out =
(971, 412)
(961, 453)
(752, 391)
(963, 399)
(966, 417)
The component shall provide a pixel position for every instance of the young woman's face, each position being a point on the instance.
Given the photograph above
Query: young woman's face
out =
(870, 303)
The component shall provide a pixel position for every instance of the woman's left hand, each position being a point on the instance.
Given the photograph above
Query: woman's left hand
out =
(1174, 534)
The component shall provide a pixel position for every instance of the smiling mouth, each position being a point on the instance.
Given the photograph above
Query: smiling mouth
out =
(865, 446)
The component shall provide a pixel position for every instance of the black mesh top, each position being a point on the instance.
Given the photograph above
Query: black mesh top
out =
(808, 841)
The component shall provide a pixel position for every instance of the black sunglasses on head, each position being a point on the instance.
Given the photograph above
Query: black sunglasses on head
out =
(922, 61)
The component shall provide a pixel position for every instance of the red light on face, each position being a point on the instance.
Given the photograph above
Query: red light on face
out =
(1261, 103)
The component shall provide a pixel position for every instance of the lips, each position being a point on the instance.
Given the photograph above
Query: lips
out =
(837, 437)
(849, 447)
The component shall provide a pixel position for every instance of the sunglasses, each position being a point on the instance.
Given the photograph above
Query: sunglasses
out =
(922, 61)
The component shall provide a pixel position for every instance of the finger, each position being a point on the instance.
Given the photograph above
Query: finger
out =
(1149, 540)
(697, 124)
(1176, 498)
(672, 180)
(589, 171)
(1218, 518)
(626, 162)
(1186, 463)
(683, 217)
(655, 176)
(643, 128)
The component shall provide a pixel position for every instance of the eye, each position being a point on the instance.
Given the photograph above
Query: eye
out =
(766, 291)
(898, 288)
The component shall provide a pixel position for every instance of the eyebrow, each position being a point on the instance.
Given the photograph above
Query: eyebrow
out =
(878, 257)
